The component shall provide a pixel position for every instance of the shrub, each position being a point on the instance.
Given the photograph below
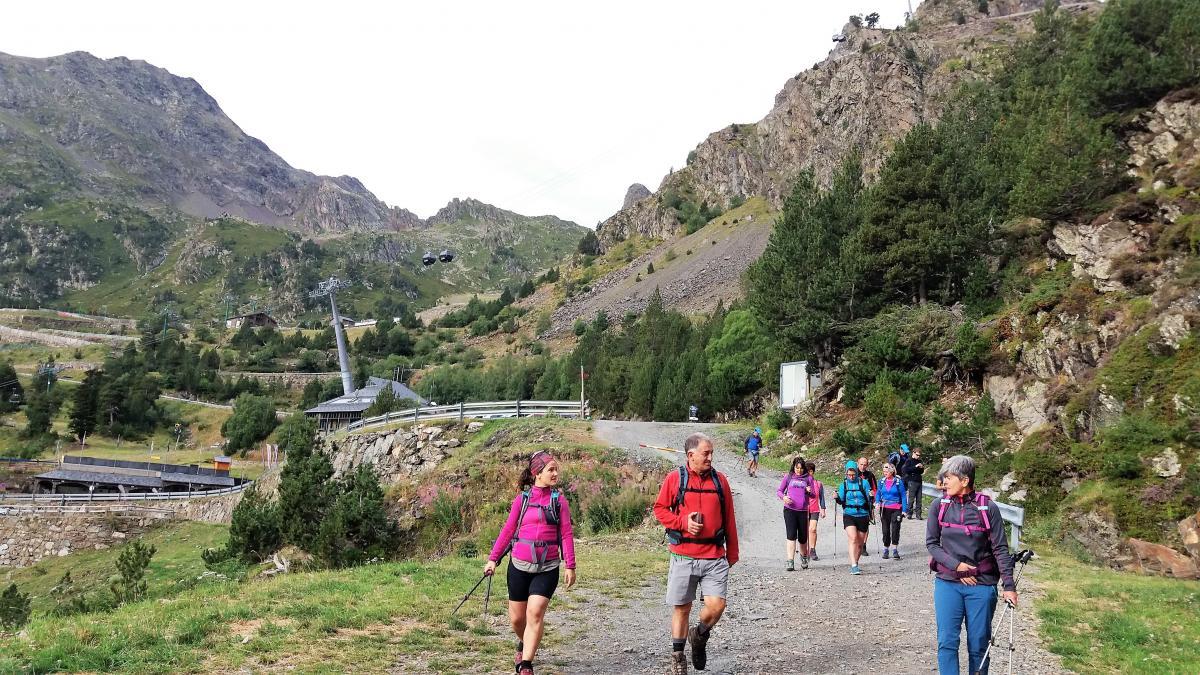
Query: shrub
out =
(14, 608)
(851, 441)
(778, 419)
(1126, 443)
(132, 562)
(357, 529)
(1039, 466)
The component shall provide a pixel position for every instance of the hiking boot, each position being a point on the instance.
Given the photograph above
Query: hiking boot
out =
(699, 647)
(678, 663)
(814, 557)
(525, 670)
(804, 562)
(791, 566)
(854, 569)
(895, 554)
(886, 554)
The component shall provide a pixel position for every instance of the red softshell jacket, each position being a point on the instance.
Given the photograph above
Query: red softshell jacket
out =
(707, 503)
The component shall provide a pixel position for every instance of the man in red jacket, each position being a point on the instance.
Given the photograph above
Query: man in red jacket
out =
(702, 531)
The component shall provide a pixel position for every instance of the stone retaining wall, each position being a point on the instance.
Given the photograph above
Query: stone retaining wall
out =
(30, 537)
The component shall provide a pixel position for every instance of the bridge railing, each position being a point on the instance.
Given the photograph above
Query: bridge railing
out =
(127, 510)
(484, 410)
(1013, 515)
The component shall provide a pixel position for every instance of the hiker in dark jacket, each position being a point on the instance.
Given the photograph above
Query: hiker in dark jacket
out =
(868, 476)
(912, 473)
(965, 537)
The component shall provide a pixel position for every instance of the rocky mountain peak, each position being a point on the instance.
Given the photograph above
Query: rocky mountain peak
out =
(636, 193)
(865, 95)
(471, 209)
(128, 130)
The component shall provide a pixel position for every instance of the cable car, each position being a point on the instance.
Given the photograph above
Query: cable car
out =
(446, 256)
(428, 258)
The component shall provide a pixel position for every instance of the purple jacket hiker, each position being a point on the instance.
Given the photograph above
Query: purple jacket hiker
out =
(800, 488)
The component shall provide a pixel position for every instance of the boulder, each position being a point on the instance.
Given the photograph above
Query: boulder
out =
(1009, 480)
(1166, 465)
(474, 427)
(1148, 558)
(1096, 534)
(1189, 531)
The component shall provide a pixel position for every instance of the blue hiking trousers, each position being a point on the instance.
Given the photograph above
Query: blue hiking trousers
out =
(952, 603)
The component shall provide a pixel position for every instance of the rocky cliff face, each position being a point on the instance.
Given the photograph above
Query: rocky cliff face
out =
(1117, 340)
(123, 128)
(869, 91)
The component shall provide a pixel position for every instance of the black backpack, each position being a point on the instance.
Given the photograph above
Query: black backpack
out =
(677, 536)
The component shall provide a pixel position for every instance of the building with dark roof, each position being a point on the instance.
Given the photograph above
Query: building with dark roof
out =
(254, 320)
(346, 409)
(75, 475)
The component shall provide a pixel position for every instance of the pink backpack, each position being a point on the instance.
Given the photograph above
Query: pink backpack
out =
(986, 565)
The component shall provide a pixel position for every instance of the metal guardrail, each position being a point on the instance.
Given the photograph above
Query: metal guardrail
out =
(485, 410)
(125, 498)
(1013, 515)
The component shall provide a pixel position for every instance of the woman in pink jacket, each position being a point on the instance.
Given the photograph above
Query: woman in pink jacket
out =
(539, 535)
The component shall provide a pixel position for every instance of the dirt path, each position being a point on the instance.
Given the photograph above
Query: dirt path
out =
(777, 621)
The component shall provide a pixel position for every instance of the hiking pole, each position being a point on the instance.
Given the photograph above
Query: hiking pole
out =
(834, 534)
(1021, 558)
(487, 596)
(471, 592)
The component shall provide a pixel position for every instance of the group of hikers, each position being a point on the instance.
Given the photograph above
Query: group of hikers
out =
(965, 541)
(861, 495)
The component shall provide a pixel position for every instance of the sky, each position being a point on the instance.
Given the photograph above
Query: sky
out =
(537, 107)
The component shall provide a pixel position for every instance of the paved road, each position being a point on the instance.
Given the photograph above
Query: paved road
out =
(816, 620)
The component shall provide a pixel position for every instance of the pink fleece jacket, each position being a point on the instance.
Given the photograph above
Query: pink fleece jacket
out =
(534, 527)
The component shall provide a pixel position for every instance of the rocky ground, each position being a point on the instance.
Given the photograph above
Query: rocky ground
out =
(818, 620)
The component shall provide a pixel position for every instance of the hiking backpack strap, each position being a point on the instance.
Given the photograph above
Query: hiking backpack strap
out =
(678, 536)
(556, 511)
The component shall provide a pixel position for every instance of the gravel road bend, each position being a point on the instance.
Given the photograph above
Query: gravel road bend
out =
(819, 620)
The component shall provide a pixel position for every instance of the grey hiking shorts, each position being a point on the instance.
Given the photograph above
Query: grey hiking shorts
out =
(712, 575)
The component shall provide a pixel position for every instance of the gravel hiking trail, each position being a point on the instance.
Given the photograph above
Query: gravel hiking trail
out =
(819, 620)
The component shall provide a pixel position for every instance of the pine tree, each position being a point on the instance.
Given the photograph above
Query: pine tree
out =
(306, 493)
(12, 394)
(85, 404)
(254, 528)
(805, 287)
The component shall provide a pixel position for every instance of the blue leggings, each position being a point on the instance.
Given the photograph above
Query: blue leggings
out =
(953, 602)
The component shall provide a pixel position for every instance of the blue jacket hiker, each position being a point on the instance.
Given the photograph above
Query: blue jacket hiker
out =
(854, 496)
(753, 447)
(892, 497)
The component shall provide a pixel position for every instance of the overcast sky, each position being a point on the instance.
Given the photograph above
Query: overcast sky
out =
(537, 107)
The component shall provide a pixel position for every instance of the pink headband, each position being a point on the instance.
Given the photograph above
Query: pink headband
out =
(539, 461)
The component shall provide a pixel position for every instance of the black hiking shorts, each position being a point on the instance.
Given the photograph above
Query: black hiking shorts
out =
(860, 523)
(796, 524)
(521, 585)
